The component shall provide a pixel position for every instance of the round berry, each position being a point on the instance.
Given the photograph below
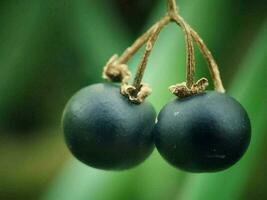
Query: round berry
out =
(103, 129)
(206, 132)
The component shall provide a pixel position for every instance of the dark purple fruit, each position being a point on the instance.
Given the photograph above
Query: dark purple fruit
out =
(207, 132)
(103, 129)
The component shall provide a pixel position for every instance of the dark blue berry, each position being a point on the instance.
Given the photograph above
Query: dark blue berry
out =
(103, 129)
(207, 132)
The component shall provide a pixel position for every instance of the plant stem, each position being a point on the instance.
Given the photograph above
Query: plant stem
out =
(190, 55)
(172, 7)
(191, 33)
(190, 62)
(172, 15)
(129, 52)
(142, 66)
(213, 67)
(150, 37)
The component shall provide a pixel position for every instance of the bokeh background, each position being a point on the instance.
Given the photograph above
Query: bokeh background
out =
(50, 49)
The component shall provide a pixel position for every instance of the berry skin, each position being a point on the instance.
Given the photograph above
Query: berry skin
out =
(103, 129)
(207, 132)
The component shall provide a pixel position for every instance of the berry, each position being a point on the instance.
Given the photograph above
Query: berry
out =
(206, 132)
(103, 129)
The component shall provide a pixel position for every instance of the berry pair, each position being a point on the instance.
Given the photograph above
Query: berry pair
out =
(201, 133)
(114, 128)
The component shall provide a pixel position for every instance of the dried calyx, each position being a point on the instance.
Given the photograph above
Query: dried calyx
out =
(136, 95)
(116, 69)
(181, 90)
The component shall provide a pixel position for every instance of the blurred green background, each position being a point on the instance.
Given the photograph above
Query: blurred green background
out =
(50, 49)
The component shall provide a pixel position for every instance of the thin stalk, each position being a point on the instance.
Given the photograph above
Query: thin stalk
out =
(190, 61)
(213, 67)
(130, 51)
(142, 66)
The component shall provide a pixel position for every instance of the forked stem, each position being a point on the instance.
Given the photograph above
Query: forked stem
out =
(130, 51)
(117, 70)
(213, 67)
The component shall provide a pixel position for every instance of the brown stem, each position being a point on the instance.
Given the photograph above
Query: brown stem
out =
(129, 52)
(213, 67)
(172, 7)
(190, 62)
(138, 92)
(116, 68)
(142, 66)
(190, 33)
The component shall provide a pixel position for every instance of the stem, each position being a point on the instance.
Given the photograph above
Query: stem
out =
(190, 33)
(190, 62)
(117, 66)
(142, 66)
(129, 52)
(213, 67)
(172, 7)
